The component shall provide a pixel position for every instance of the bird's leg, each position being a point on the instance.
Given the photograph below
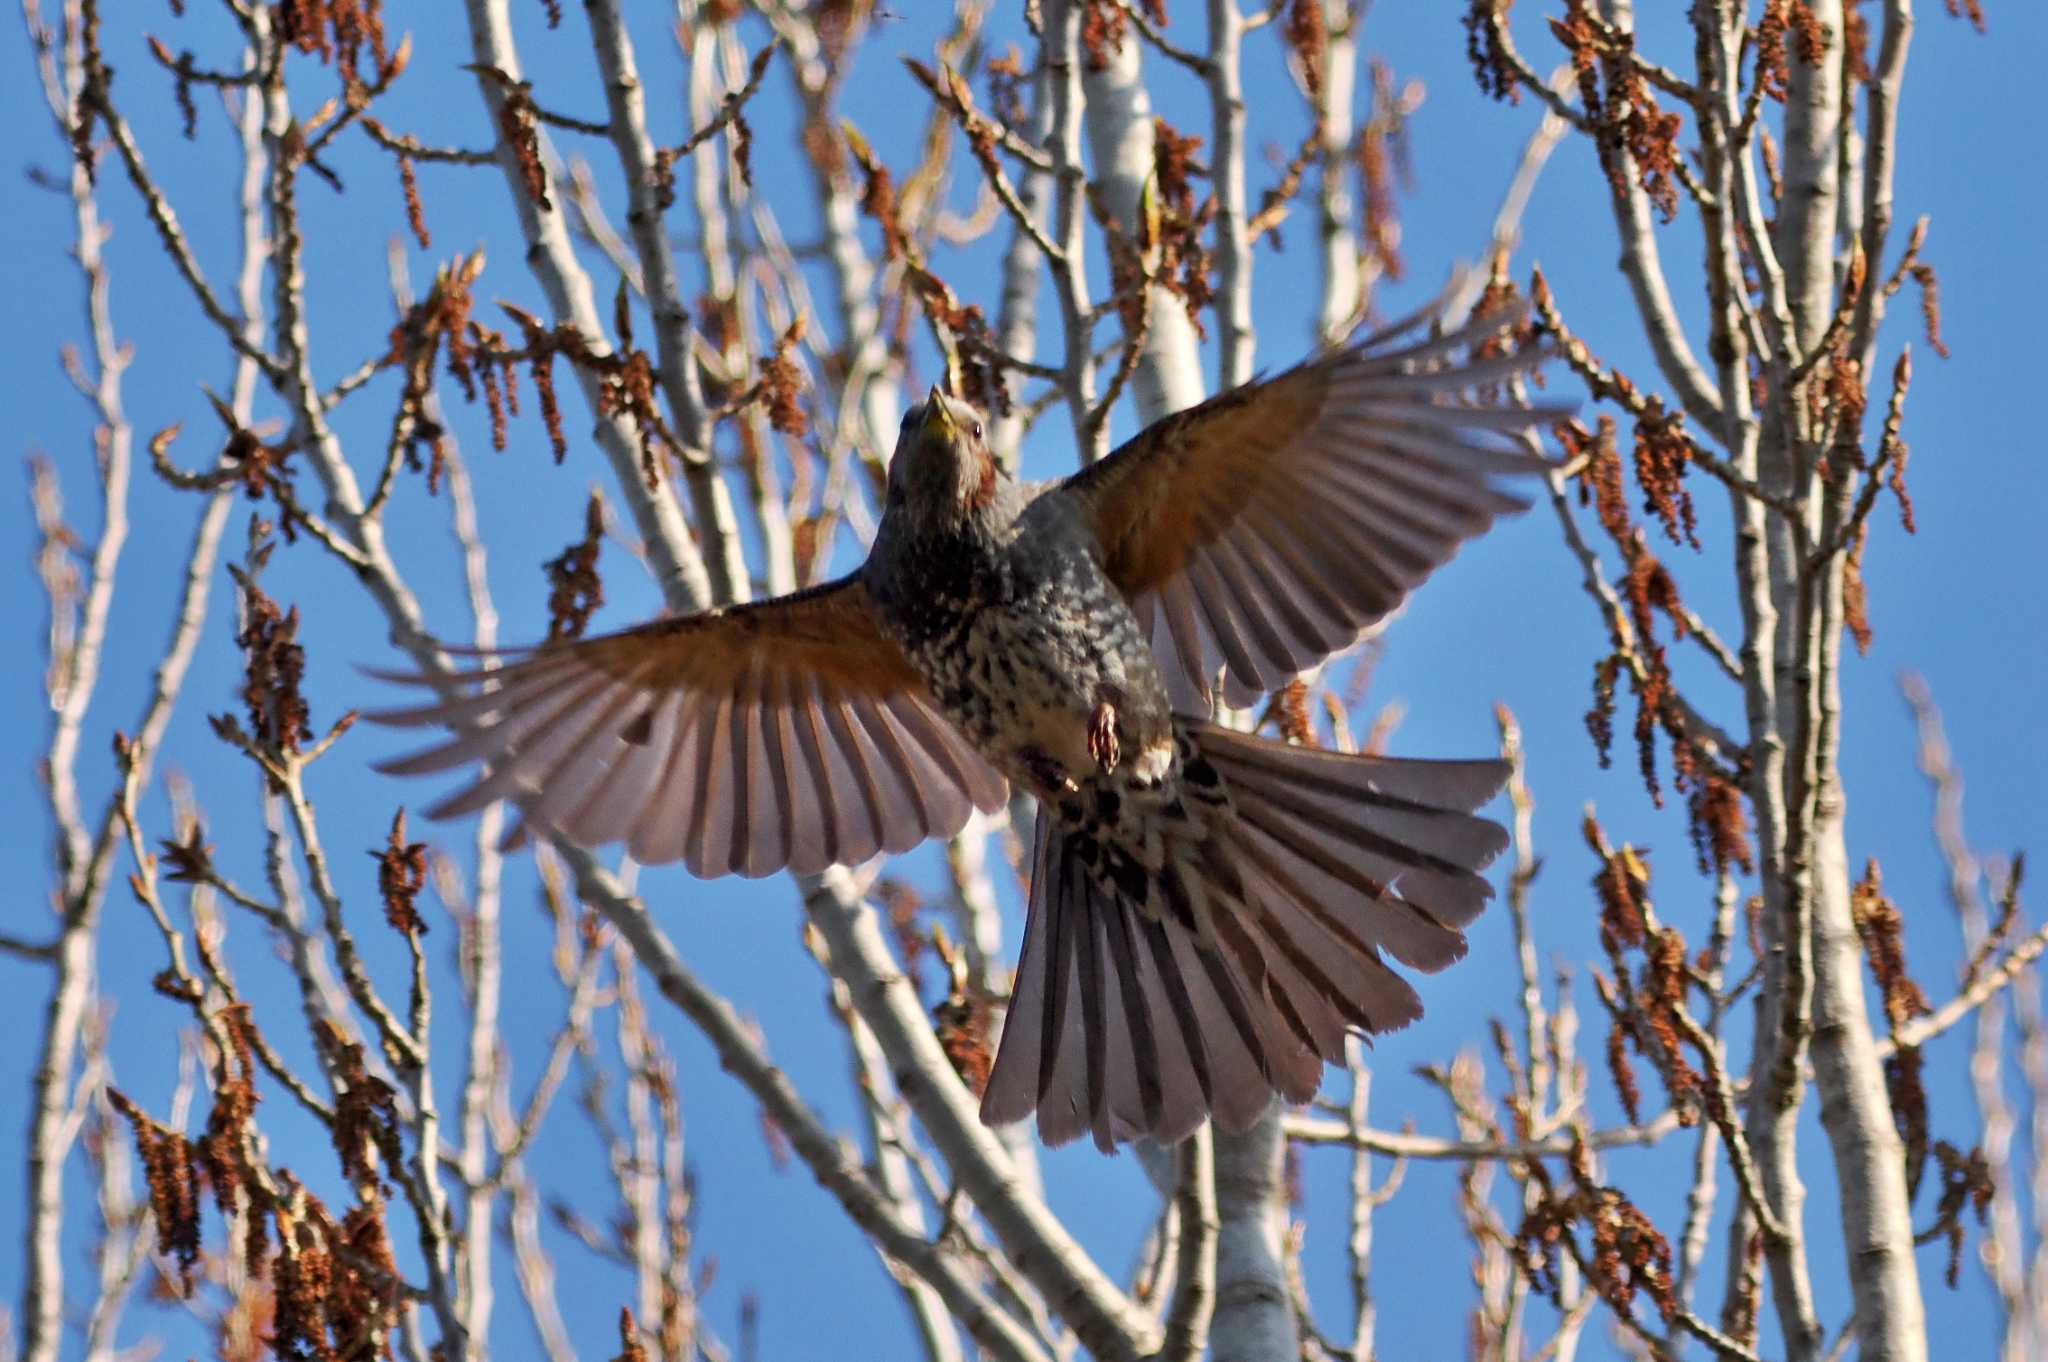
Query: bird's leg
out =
(1046, 772)
(1102, 744)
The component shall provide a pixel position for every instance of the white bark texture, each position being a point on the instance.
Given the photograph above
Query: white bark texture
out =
(1120, 145)
(1253, 1316)
(1870, 1173)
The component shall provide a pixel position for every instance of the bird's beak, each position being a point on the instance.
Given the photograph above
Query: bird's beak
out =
(938, 422)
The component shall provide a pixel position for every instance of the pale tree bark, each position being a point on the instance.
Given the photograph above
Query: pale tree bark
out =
(1344, 287)
(1017, 309)
(1168, 377)
(1870, 1171)
(1253, 1316)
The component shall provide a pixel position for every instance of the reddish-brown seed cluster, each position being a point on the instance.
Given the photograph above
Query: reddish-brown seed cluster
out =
(1647, 589)
(782, 384)
(1381, 151)
(1306, 31)
(625, 383)
(1483, 21)
(575, 590)
(1881, 928)
(438, 323)
(415, 213)
(1930, 305)
(878, 197)
(1647, 1003)
(1966, 1184)
(1663, 452)
(189, 861)
(1500, 293)
(1624, 1024)
(541, 366)
(1620, 885)
(631, 1349)
(1810, 37)
(170, 1167)
(519, 123)
(964, 1024)
(978, 371)
(1600, 477)
(1623, 1073)
(174, 1166)
(335, 1285)
(365, 1111)
(274, 669)
(1630, 128)
(335, 31)
(1855, 597)
(1856, 42)
(1184, 263)
(224, 1150)
(1659, 998)
(1879, 924)
(401, 874)
(981, 375)
(1105, 25)
(263, 469)
(303, 1278)
(1973, 10)
(1785, 27)
(1625, 1253)
(1290, 706)
(1717, 821)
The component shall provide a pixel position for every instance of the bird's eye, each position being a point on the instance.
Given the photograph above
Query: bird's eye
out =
(977, 430)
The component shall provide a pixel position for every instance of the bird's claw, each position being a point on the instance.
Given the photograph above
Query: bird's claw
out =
(1046, 771)
(1102, 744)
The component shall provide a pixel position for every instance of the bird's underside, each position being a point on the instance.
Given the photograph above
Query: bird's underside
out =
(1219, 949)
(1210, 910)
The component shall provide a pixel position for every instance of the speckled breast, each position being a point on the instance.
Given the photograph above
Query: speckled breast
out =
(1018, 642)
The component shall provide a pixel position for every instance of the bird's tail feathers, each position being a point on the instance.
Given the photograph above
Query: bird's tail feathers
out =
(1240, 982)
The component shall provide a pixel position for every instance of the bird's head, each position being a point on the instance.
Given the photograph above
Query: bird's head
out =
(942, 469)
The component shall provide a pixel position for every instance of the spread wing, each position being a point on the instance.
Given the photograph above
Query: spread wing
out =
(1280, 522)
(789, 733)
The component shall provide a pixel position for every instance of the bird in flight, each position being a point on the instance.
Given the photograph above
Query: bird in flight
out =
(1210, 911)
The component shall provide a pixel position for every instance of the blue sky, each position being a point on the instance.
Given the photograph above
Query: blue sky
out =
(1960, 602)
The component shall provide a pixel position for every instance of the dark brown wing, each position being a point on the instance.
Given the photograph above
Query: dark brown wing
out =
(1279, 523)
(789, 733)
